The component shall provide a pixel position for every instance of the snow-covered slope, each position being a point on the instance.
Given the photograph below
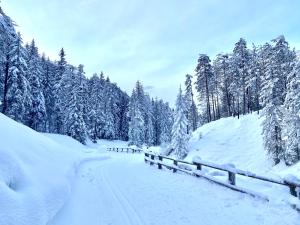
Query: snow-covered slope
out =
(236, 141)
(35, 174)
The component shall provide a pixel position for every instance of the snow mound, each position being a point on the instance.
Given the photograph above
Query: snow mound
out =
(35, 174)
(238, 142)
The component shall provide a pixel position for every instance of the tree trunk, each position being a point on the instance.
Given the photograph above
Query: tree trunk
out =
(213, 106)
(5, 85)
(207, 99)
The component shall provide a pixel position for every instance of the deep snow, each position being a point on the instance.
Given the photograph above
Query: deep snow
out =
(35, 174)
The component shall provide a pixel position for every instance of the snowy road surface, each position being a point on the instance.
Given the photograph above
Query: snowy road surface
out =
(122, 190)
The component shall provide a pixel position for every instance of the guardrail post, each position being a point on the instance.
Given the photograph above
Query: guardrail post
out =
(152, 158)
(145, 158)
(159, 160)
(231, 178)
(293, 190)
(198, 167)
(175, 164)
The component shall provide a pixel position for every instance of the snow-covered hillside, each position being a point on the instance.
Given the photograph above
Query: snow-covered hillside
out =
(236, 141)
(35, 174)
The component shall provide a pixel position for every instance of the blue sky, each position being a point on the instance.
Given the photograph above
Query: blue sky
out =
(155, 41)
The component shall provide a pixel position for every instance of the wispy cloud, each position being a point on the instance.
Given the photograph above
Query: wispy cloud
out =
(155, 41)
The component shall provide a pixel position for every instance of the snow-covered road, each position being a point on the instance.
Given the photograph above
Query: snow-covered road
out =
(122, 190)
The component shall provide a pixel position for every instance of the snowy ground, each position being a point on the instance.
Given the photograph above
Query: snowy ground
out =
(54, 180)
(121, 190)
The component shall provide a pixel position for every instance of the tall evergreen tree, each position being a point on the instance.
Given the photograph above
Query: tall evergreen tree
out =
(180, 135)
(204, 74)
(18, 88)
(192, 113)
(37, 111)
(58, 93)
(136, 131)
(75, 125)
(292, 117)
(241, 59)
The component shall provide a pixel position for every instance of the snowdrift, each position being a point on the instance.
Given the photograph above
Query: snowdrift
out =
(35, 173)
(238, 142)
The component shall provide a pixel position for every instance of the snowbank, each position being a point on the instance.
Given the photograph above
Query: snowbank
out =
(35, 174)
(238, 142)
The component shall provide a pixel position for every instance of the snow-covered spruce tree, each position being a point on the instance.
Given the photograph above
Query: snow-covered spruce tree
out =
(48, 85)
(292, 117)
(109, 127)
(57, 93)
(241, 59)
(75, 125)
(81, 82)
(18, 88)
(149, 125)
(157, 118)
(37, 111)
(253, 84)
(166, 124)
(123, 117)
(96, 106)
(180, 136)
(136, 132)
(7, 35)
(278, 63)
(192, 113)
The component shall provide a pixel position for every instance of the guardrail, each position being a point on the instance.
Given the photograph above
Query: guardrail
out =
(195, 169)
(128, 150)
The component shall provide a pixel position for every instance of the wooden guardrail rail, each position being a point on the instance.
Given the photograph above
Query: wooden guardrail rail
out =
(122, 149)
(195, 169)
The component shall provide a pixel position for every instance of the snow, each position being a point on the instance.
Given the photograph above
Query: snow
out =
(54, 180)
(35, 174)
(238, 142)
(123, 190)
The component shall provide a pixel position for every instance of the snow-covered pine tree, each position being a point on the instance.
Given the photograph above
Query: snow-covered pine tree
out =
(253, 84)
(48, 85)
(75, 125)
(136, 132)
(192, 113)
(278, 63)
(241, 59)
(166, 124)
(123, 117)
(57, 93)
(149, 120)
(109, 101)
(292, 117)
(136, 123)
(272, 111)
(157, 118)
(204, 74)
(180, 136)
(37, 111)
(18, 88)
(7, 35)
(221, 67)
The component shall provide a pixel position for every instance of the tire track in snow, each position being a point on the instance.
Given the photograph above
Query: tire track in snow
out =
(130, 213)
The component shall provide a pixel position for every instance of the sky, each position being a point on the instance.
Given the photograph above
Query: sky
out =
(155, 41)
